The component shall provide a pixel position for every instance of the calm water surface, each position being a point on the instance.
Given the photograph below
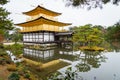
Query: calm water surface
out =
(89, 65)
(106, 67)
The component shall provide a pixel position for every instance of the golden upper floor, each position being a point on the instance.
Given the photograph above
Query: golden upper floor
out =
(39, 9)
(43, 27)
(41, 20)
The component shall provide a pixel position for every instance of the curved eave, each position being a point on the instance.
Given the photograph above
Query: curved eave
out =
(40, 9)
(41, 20)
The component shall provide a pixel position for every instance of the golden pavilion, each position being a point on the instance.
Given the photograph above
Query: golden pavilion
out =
(43, 27)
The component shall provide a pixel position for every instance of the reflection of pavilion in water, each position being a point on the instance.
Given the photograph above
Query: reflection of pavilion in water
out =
(48, 55)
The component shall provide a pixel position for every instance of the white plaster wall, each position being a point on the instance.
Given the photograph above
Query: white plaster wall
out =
(38, 37)
(51, 37)
(46, 37)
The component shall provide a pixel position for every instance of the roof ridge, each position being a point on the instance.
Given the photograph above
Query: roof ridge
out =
(41, 17)
(42, 8)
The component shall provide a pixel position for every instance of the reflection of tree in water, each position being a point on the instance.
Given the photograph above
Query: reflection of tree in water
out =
(83, 67)
(115, 46)
(94, 63)
(94, 59)
(91, 59)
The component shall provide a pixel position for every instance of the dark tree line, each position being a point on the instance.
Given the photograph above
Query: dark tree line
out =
(113, 32)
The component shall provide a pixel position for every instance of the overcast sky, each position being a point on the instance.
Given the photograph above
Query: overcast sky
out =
(107, 16)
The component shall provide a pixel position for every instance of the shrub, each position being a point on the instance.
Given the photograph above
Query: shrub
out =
(2, 61)
(27, 76)
(14, 76)
(16, 49)
(18, 64)
(5, 60)
(21, 70)
(12, 68)
(2, 52)
(7, 47)
(1, 45)
(9, 61)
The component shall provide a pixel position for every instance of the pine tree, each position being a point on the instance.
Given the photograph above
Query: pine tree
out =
(5, 22)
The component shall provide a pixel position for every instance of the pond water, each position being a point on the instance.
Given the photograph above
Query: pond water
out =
(89, 65)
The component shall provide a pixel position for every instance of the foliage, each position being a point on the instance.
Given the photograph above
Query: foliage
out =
(83, 67)
(14, 76)
(7, 36)
(16, 49)
(87, 36)
(2, 2)
(16, 36)
(27, 76)
(24, 72)
(1, 46)
(90, 3)
(113, 32)
(5, 22)
(69, 75)
(12, 67)
(99, 27)
(4, 58)
(2, 52)
(2, 61)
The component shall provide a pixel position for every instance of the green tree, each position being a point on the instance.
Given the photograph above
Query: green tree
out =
(16, 36)
(87, 35)
(5, 22)
(81, 33)
(90, 3)
(7, 36)
(113, 32)
(16, 49)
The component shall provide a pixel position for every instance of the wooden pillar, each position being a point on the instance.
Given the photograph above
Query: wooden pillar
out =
(43, 54)
(32, 36)
(39, 36)
(43, 36)
(28, 37)
(49, 36)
